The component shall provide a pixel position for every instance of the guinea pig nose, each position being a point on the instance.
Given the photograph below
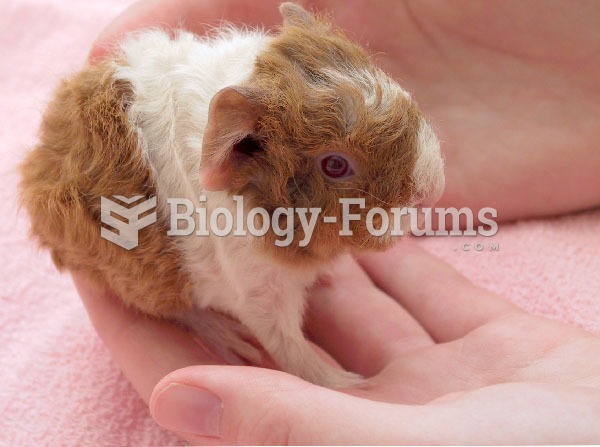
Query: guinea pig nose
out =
(429, 198)
(427, 203)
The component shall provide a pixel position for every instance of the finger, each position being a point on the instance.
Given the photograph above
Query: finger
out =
(237, 405)
(193, 15)
(146, 349)
(231, 405)
(358, 324)
(443, 301)
(141, 14)
(514, 414)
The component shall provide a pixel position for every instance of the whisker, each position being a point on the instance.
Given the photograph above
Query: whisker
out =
(367, 193)
(299, 190)
(364, 241)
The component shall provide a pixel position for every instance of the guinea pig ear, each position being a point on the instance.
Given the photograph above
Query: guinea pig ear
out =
(296, 15)
(232, 116)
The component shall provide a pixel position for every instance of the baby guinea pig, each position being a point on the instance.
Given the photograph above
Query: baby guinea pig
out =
(296, 119)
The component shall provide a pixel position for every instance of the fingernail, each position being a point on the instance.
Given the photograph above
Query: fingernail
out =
(188, 409)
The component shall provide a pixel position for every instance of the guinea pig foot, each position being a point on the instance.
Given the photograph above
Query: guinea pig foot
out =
(237, 351)
(225, 337)
(322, 373)
(339, 379)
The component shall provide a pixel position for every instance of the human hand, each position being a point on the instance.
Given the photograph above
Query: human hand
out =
(509, 86)
(517, 126)
(446, 361)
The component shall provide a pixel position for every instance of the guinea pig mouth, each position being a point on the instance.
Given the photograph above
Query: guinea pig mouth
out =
(435, 189)
(429, 199)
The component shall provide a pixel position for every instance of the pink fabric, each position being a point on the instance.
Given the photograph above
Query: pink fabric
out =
(59, 384)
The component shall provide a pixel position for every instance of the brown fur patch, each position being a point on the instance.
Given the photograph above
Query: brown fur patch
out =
(309, 113)
(87, 150)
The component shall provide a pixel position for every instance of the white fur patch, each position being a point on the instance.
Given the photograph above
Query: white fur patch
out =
(428, 173)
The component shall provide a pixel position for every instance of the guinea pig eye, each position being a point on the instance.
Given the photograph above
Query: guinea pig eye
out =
(336, 167)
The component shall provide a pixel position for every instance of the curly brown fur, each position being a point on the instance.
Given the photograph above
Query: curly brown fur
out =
(304, 113)
(87, 149)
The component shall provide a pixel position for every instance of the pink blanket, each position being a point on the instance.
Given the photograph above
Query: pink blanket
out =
(59, 384)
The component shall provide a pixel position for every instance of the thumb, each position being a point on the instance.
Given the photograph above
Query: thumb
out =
(228, 405)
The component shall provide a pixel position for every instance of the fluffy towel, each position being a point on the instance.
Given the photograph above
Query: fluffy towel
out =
(59, 384)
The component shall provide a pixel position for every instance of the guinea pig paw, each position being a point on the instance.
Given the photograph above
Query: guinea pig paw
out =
(225, 337)
(332, 377)
(344, 379)
(237, 351)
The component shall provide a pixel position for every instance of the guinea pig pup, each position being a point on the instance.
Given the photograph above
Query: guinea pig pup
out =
(300, 119)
